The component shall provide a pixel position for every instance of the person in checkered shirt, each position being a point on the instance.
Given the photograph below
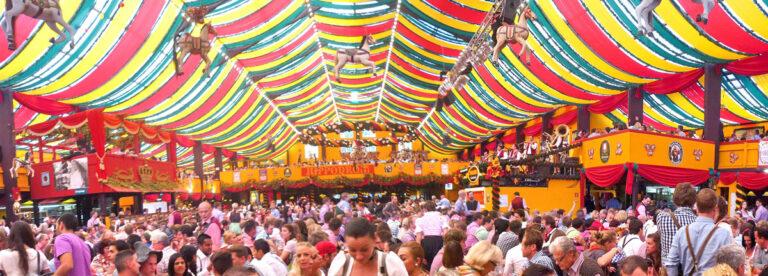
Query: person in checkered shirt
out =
(669, 222)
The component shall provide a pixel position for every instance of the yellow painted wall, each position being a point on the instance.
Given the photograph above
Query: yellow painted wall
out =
(599, 121)
(560, 194)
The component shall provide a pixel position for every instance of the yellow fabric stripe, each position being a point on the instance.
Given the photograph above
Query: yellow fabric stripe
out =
(570, 37)
(129, 70)
(249, 114)
(477, 98)
(533, 79)
(409, 95)
(188, 85)
(37, 43)
(229, 141)
(512, 89)
(440, 17)
(627, 40)
(415, 76)
(269, 25)
(299, 67)
(272, 64)
(679, 24)
(302, 79)
(240, 12)
(415, 48)
(657, 117)
(421, 33)
(104, 43)
(477, 5)
(353, 22)
(220, 105)
(277, 44)
(749, 14)
(561, 71)
(231, 113)
(686, 105)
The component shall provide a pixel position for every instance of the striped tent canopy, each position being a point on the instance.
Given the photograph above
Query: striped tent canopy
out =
(272, 63)
(584, 52)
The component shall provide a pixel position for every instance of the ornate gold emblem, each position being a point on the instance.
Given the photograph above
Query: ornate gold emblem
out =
(697, 154)
(649, 149)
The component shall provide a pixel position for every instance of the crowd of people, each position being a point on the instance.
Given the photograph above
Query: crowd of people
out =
(415, 237)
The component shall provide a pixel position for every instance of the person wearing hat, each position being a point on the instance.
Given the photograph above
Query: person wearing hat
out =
(327, 251)
(147, 259)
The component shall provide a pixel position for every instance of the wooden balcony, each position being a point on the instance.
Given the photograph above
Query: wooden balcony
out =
(743, 155)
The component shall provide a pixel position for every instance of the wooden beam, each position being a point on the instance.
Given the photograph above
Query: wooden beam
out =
(7, 152)
(713, 129)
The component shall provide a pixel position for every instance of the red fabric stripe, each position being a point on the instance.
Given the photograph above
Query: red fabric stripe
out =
(696, 95)
(674, 83)
(413, 69)
(209, 103)
(460, 119)
(592, 35)
(554, 81)
(356, 30)
(497, 88)
(365, 80)
(725, 30)
(22, 31)
(301, 96)
(259, 124)
(22, 117)
(409, 90)
(135, 36)
(397, 115)
(252, 97)
(43, 105)
(400, 103)
(435, 48)
(291, 78)
(479, 108)
(283, 51)
(314, 119)
(167, 90)
(458, 11)
(256, 18)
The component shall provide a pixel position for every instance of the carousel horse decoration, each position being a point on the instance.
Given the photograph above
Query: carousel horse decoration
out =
(47, 10)
(26, 163)
(360, 55)
(196, 42)
(516, 33)
(644, 11)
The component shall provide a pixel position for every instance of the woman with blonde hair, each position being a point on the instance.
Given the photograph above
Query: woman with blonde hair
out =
(413, 257)
(305, 261)
(482, 259)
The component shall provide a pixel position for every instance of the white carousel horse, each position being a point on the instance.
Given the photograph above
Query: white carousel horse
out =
(517, 33)
(361, 55)
(47, 10)
(644, 11)
(26, 163)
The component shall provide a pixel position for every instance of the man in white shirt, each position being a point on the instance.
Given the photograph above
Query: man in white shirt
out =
(262, 254)
(444, 203)
(631, 242)
(205, 248)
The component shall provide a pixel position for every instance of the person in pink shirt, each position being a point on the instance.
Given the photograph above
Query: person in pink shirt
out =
(249, 231)
(477, 220)
(209, 224)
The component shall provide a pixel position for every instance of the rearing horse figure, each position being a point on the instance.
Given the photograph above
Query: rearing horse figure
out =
(46, 10)
(361, 55)
(517, 33)
(197, 41)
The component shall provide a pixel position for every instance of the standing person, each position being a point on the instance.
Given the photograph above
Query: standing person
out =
(261, 252)
(450, 256)
(760, 255)
(429, 231)
(668, 223)
(642, 207)
(413, 257)
(391, 209)
(702, 237)
(630, 244)
(472, 203)
(305, 262)
(178, 266)
(21, 258)
(205, 248)
(444, 203)
(147, 259)
(761, 213)
(517, 203)
(210, 225)
(362, 258)
(73, 257)
(94, 220)
(477, 220)
(343, 204)
(174, 216)
(461, 204)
